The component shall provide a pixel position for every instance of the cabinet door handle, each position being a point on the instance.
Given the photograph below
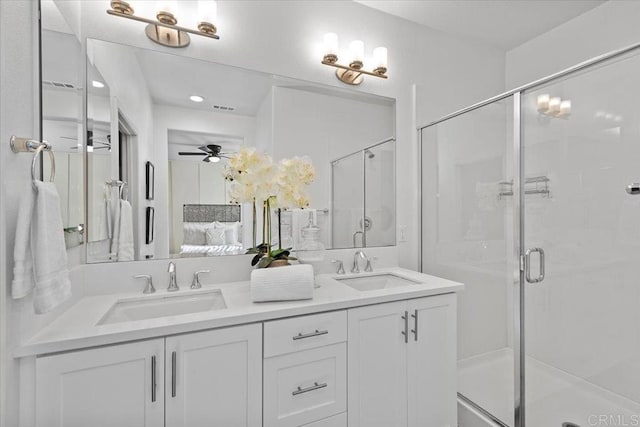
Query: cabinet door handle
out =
(315, 386)
(174, 361)
(406, 326)
(302, 336)
(415, 325)
(153, 378)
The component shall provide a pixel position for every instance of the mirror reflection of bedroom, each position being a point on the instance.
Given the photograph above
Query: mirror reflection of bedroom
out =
(203, 222)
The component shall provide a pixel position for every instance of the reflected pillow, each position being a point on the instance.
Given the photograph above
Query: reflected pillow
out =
(195, 233)
(216, 236)
(231, 230)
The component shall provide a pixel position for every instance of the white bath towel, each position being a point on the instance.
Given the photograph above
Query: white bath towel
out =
(293, 282)
(125, 234)
(39, 252)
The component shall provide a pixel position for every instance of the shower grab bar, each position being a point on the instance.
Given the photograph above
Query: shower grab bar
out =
(527, 265)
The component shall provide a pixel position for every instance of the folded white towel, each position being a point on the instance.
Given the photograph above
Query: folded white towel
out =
(40, 254)
(125, 234)
(292, 282)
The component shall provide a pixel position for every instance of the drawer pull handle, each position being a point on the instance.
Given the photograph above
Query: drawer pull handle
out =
(174, 363)
(302, 336)
(315, 386)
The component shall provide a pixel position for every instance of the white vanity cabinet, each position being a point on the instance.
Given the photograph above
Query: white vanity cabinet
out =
(402, 364)
(214, 378)
(204, 378)
(305, 371)
(120, 385)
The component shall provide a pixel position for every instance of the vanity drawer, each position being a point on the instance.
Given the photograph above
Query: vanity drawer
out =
(304, 387)
(335, 421)
(304, 332)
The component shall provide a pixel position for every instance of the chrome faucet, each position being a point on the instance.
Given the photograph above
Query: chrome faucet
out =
(356, 267)
(148, 289)
(173, 283)
(195, 283)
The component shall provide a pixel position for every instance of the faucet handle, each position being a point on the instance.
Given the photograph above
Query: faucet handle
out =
(340, 265)
(149, 289)
(195, 283)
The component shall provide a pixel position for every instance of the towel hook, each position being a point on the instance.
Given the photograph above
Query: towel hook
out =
(26, 145)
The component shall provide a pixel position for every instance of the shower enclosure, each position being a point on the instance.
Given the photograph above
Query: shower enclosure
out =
(528, 199)
(363, 197)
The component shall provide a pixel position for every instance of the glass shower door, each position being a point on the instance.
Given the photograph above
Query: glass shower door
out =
(467, 236)
(581, 149)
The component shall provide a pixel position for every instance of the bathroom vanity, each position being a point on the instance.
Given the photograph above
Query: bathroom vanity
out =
(361, 355)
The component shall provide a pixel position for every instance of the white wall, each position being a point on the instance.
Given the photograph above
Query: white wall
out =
(612, 26)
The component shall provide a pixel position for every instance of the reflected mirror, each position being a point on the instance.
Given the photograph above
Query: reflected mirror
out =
(162, 133)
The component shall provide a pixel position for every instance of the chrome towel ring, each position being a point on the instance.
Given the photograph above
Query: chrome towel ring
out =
(26, 145)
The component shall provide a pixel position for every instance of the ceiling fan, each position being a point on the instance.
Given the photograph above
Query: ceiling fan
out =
(212, 152)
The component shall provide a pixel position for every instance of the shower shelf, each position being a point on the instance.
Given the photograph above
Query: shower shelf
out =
(541, 186)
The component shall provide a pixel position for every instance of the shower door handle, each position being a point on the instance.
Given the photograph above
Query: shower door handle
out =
(527, 265)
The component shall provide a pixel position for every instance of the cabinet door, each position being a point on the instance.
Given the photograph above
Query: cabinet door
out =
(377, 366)
(432, 362)
(214, 378)
(102, 387)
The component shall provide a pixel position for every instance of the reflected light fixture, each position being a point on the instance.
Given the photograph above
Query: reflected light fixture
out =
(165, 29)
(196, 98)
(213, 159)
(553, 106)
(353, 73)
(97, 84)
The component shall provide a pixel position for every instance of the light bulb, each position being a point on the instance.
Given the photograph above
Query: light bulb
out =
(380, 57)
(331, 44)
(543, 102)
(356, 48)
(554, 105)
(166, 6)
(565, 108)
(207, 11)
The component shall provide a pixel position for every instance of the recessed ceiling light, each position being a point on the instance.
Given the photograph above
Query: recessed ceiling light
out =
(97, 84)
(196, 98)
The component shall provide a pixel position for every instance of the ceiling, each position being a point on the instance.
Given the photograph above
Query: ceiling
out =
(503, 24)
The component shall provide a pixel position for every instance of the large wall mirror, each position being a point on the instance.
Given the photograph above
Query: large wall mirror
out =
(159, 131)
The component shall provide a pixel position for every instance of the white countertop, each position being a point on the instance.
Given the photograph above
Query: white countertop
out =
(78, 327)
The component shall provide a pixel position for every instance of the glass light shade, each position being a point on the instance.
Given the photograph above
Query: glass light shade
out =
(207, 11)
(356, 48)
(167, 6)
(331, 44)
(565, 107)
(380, 57)
(213, 159)
(554, 105)
(543, 102)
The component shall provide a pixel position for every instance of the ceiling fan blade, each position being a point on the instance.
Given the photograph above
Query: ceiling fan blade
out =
(204, 148)
(188, 153)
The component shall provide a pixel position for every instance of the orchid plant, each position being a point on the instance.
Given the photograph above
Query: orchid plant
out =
(255, 178)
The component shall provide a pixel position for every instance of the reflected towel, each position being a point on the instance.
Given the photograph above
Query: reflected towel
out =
(300, 220)
(125, 234)
(293, 282)
(39, 252)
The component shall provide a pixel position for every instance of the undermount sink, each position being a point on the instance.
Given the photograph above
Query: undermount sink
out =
(152, 307)
(375, 282)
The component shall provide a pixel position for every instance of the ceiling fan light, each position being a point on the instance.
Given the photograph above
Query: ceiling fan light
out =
(214, 159)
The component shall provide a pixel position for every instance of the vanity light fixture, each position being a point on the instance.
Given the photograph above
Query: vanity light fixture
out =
(164, 30)
(553, 106)
(353, 73)
(196, 98)
(97, 84)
